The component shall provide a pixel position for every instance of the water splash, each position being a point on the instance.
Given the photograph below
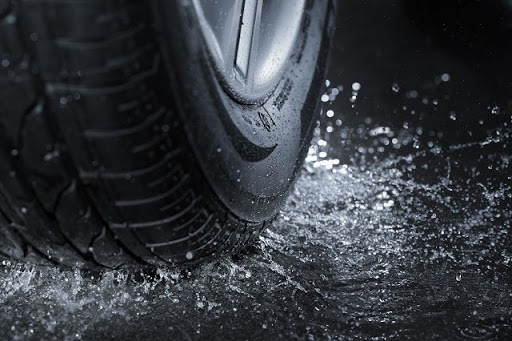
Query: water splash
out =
(390, 232)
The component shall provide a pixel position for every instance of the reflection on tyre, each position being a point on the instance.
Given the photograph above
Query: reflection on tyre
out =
(125, 142)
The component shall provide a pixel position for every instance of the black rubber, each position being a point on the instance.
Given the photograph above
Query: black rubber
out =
(102, 132)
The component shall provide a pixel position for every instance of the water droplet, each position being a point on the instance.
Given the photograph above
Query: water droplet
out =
(189, 255)
(395, 87)
(445, 77)
(458, 276)
(329, 113)
(453, 115)
(324, 98)
(356, 86)
(412, 94)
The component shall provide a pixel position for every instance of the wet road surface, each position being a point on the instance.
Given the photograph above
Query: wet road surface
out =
(399, 226)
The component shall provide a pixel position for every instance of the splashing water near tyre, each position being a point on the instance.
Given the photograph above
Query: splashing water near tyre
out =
(386, 249)
(399, 226)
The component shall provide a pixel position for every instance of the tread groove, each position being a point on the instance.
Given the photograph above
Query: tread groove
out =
(158, 222)
(106, 134)
(55, 87)
(69, 43)
(145, 201)
(84, 175)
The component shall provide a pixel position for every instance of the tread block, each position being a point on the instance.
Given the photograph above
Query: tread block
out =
(160, 206)
(21, 95)
(82, 21)
(76, 219)
(10, 244)
(90, 20)
(125, 109)
(82, 226)
(131, 242)
(42, 157)
(106, 251)
(175, 234)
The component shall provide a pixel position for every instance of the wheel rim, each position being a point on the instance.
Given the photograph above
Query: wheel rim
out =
(250, 42)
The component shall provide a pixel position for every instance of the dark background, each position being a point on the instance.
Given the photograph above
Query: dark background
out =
(411, 44)
(398, 228)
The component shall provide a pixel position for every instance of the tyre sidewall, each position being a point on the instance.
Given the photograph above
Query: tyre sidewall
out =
(250, 154)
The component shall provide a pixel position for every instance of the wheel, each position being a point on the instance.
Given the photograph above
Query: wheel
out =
(136, 133)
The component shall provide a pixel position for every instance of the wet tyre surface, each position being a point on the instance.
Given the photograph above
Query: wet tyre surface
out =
(95, 169)
(108, 157)
(398, 228)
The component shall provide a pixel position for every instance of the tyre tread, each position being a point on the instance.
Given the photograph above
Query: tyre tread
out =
(94, 169)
